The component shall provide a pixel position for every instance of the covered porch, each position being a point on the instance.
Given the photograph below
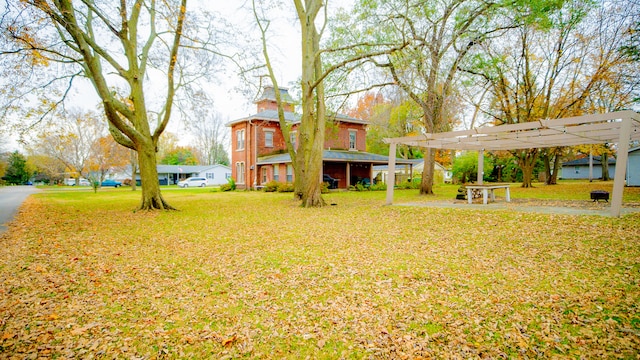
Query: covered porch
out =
(347, 167)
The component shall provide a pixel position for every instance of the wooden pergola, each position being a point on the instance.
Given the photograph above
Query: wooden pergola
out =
(619, 127)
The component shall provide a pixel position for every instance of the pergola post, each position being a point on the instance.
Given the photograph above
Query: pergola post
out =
(391, 178)
(621, 167)
(480, 166)
(591, 164)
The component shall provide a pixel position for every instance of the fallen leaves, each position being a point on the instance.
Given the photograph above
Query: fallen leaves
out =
(359, 280)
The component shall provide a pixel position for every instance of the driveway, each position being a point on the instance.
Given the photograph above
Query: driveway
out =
(11, 197)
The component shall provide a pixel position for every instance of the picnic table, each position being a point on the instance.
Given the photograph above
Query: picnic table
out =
(487, 189)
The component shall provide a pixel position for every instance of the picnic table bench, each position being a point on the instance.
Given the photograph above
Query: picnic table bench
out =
(487, 189)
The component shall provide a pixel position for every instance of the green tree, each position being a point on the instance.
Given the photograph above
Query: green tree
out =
(179, 156)
(394, 119)
(17, 172)
(465, 166)
(441, 35)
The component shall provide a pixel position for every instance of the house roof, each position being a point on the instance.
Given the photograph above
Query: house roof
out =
(597, 160)
(187, 169)
(293, 118)
(269, 93)
(414, 162)
(335, 156)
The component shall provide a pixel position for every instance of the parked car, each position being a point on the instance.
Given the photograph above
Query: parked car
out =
(193, 181)
(111, 182)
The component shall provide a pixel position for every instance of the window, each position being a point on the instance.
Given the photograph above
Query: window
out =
(240, 172)
(268, 138)
(240, 140)
(264, 175)
(276, 172)
(210, 176)
(289, 173)
(352, 139)
(294, 139)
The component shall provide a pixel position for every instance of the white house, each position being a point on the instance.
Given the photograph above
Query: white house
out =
(170, 174)
(413, 170)
(215, 174)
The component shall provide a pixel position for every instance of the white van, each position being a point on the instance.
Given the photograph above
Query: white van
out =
(193, 181)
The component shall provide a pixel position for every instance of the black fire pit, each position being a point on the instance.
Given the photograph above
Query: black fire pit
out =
(598, 195)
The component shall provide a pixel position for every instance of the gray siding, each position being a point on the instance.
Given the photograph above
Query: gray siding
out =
(633, 168)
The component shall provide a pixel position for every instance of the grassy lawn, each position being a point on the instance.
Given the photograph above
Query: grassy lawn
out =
(252, 275)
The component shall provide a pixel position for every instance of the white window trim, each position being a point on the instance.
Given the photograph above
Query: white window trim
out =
(241, 179)
(244, 139)
(272, 131)
(355, 140)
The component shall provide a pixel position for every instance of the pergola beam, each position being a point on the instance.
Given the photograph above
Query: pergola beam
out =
(619, 127)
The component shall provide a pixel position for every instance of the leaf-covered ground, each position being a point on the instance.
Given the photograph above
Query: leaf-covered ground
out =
(252, 275)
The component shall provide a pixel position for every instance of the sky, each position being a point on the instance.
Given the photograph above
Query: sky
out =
(284, 50)
(227, 100)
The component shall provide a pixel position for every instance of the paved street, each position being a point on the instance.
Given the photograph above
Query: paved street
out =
(11, 197)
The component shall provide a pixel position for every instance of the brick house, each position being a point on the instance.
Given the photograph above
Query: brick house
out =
(259, 155)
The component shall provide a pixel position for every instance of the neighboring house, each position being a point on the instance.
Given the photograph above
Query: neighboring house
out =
(404, 172)
(578, 169)
(259, 154)
(633, 167)
(171, 174)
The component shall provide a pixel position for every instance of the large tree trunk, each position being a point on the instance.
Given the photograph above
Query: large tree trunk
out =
(553, 179)
(526, 161)
(552, 156)
(151, 196)
(308, 169)
(426, 185)
(604, 160)
(134, 168)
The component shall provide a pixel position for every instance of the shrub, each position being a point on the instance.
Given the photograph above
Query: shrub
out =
(225, 187)
(405, 185)
(271, 186)
(287, 187)
(378, 187)
(232, 183)
(360, 187)
(325, 188)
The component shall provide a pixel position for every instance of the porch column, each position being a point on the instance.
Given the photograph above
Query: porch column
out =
(371, 173)
(391, 178)
(348, 175)
(621, 167)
